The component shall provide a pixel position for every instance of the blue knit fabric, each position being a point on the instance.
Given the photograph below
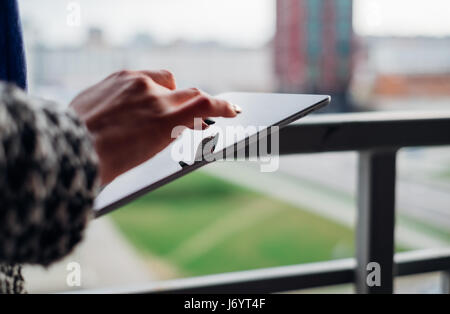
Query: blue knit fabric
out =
(12, 55)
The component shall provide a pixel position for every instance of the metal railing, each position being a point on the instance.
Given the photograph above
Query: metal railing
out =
(377, 137)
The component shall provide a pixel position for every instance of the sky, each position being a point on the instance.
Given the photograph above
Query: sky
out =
(236, 22)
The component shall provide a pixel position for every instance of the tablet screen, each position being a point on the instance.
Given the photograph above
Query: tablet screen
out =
(260, 112)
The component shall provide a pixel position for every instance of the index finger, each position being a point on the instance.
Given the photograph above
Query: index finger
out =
(204, 106)
(162, 77)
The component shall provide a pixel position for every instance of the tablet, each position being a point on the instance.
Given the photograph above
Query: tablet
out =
(260, 112)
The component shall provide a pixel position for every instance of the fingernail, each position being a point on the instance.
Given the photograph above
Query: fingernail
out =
(236, 108)
(209, 121)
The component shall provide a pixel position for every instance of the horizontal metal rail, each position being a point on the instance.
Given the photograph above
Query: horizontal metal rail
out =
(289, 278)
(365, 131)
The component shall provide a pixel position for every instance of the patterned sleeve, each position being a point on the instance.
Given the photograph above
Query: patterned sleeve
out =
(48, 179)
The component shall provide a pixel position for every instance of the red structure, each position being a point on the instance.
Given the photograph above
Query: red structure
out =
(313, 47)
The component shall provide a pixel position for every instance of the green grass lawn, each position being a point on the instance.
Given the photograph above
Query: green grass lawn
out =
(202, 225)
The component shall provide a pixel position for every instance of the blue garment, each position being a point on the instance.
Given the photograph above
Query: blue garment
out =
(12, 55)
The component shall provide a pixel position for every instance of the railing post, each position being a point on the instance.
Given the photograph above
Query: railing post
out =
(376, 221)
(446, 281)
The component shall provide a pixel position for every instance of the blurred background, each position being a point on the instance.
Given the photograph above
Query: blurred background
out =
(369, 55)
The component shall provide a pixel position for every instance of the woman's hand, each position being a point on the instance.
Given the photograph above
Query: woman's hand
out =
(131, 115)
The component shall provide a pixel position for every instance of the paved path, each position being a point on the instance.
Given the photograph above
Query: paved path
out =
(419, 195)
(106, 260)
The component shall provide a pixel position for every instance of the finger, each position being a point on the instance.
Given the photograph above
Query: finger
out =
(182, 96)
(162, 77)
(204, 126)
(203, 106)
(195, 124)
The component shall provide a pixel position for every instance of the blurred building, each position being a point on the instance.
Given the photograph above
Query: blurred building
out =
(313, 48)
(398, 73)
(61, 72)
(410, 66)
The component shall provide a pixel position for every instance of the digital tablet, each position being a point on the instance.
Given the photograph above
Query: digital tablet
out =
(261, 113)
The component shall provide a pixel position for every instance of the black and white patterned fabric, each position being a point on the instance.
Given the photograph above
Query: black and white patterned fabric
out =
(48, 181)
